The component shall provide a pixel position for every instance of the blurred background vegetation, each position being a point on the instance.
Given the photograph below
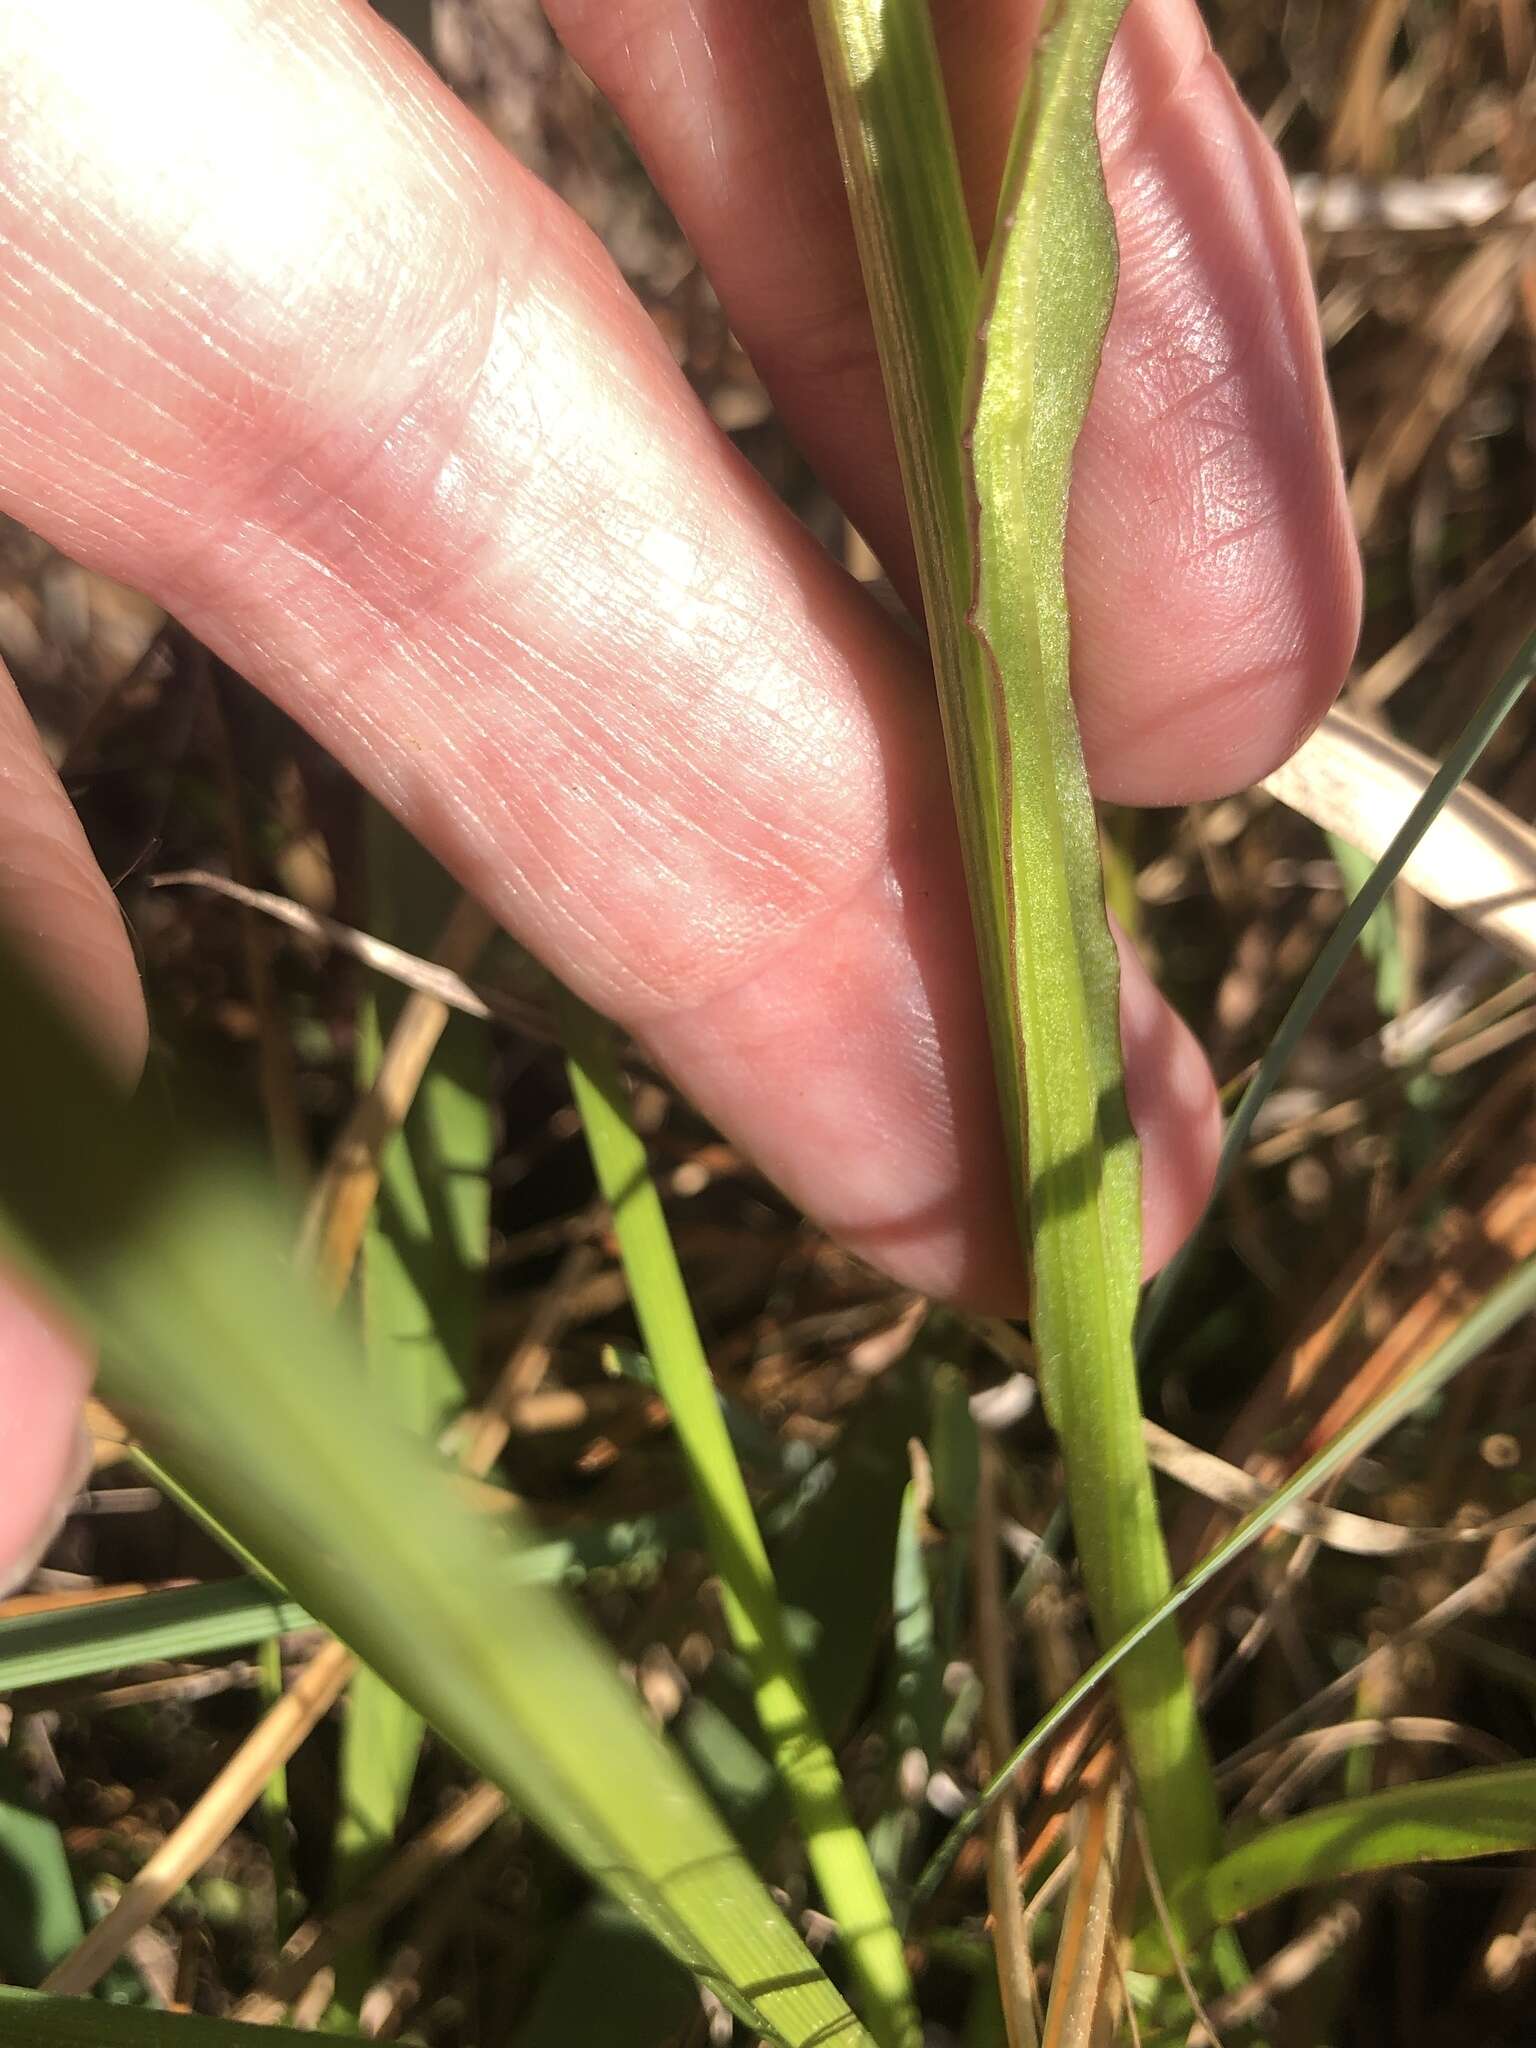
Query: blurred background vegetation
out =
(1391, 1181)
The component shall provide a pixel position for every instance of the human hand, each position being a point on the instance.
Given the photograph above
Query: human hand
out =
(287, 341)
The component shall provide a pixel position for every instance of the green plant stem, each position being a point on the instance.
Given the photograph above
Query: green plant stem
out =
(1048, 287)
(839, 1854)
(988, 376)
(420, 1280)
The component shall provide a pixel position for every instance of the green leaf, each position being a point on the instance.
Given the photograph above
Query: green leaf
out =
(605, 1985)
(422, 1279)
(141, 1628)
(39, 1911)
(954, 1448)
(1380, 940)
(422, 1267)
(886, 92)
(231, 1614)
(1443, 1820)
(172, 1255)
(33, 2022)
(954, 1445)
(913, 1717)
(839, 1855)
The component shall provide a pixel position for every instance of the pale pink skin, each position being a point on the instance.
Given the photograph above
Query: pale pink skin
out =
(288, 342)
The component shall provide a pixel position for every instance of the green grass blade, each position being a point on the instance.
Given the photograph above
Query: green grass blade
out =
(1345, 936)
(1047, 294)
(422, 1272)
(39, 1911)
(912, 1697)
(1440, 1820)
(424, 1255)
(141, 1628)
(954, 1445)
(233, 1614)
(172, 1255)
(33, 2022)
(605, 1986)
(838, 1852)
(1513, 1299)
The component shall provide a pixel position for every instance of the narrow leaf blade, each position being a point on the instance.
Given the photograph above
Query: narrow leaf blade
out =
(1046, 297)
(1438, 1820)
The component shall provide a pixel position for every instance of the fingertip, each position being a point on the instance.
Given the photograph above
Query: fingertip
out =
(1213, 568)
(43, 1455)
(56, 903)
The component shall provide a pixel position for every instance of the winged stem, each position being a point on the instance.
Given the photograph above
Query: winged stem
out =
(989, 377)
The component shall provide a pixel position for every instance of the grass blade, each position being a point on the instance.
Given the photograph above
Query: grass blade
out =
(171, 1254)
(1357, 783)
(422, 1266)
(142, 1628)
(605, 1986)
(986, 441)
(914, 1697)
(40, 1918)
(838, 1852)
(886, 92)
(1440, 1820)
(232, 1614)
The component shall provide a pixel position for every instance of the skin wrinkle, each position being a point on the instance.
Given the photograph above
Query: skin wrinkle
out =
(799, 834)
(712, 709)
(316, 489)
(47, 279)
(643, 770)
(836, 740)
(314, 309)
(406, 437)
